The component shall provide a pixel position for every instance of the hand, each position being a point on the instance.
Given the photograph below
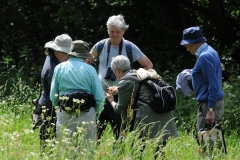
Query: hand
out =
(210, 117)
(113, 90)
(109, 96)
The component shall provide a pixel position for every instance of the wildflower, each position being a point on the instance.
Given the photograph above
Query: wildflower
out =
(56, 95)
(27, 131)
(82, 101)
(66, 131)
(76, 100)
(63, 98)
(48, 118)
(77, 111)
(67, 108)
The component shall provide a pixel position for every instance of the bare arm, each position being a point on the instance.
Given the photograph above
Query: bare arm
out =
(145, 62)
(95, 55)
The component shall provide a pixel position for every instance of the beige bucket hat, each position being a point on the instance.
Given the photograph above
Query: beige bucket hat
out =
(61, 43)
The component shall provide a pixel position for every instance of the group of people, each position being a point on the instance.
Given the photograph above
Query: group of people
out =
(68, 69)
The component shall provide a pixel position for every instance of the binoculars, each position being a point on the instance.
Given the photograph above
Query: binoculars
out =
(110, 74)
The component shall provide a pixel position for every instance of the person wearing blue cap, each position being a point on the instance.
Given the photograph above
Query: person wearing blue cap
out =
(206, 77)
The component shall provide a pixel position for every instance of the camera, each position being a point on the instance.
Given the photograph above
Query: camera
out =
(110, 74)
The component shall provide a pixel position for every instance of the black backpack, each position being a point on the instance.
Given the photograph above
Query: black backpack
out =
(128, 50)
(162, 96)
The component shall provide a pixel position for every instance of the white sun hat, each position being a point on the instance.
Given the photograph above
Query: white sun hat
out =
(61, 43)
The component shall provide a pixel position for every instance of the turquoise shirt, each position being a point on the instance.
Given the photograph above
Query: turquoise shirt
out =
(75, 74)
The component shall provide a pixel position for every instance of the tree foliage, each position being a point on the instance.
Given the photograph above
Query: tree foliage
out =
(155, 26)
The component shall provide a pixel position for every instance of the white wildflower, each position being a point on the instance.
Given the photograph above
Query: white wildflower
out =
(82, 101)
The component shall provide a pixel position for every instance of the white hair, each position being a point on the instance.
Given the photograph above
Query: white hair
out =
(117, 21)
(121, 62)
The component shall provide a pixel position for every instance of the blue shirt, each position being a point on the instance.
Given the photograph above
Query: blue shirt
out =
(46, 77)
(207, 76)
(114, 51)
(75, 74)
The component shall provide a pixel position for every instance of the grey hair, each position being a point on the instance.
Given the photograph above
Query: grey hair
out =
(121, 62)
(117, 21)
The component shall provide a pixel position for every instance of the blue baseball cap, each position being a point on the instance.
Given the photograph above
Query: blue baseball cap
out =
(192, 35)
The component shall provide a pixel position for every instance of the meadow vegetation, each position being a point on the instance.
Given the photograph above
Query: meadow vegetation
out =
(19, 141)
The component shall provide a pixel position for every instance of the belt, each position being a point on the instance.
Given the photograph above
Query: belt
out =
(207, 100)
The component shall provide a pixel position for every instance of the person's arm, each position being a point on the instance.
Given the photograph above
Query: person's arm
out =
(94, 53)
(97, 91)
(145, 62)
(210, 77)
(125, 92)
(54, 92)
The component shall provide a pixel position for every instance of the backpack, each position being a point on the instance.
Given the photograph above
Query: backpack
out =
(162, 96)
(128, 50)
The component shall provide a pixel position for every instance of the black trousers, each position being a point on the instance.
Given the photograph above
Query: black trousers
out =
(108, 115)
(48, 127)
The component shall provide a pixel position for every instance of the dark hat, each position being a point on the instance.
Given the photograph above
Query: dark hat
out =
(192, 35)
(80, 48)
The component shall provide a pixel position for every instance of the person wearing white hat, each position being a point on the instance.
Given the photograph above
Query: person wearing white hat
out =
(56, 52)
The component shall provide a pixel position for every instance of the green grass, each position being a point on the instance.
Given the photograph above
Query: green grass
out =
(18, 141)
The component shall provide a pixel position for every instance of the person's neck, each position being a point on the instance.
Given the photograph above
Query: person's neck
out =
(60, 56)
(115, 43)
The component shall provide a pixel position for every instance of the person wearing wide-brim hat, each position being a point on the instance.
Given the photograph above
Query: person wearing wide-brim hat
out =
(74, 76)
(206, 78)
(56, 52)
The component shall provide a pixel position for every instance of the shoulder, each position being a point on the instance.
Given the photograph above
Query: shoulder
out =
(129, 43)
(128, 81)
(99, 44)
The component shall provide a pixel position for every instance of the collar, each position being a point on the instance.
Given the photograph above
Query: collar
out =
(200, 49)
(54, 58)
(75, 59)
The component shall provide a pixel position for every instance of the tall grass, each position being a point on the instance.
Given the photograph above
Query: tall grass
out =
(19, 141)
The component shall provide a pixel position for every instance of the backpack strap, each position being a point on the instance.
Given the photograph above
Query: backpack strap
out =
(100, 46)
(134, 78)
(99, 49)
(134, 107)
(129, 52)
(128, 46)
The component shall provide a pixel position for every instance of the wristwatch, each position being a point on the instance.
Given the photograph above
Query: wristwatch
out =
(210, 109)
